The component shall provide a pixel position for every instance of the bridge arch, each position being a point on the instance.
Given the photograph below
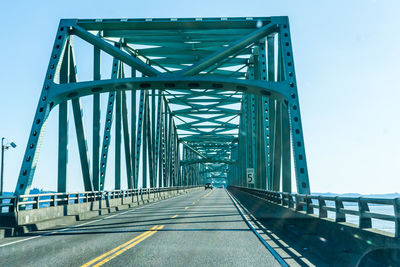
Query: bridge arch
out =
(65, 92)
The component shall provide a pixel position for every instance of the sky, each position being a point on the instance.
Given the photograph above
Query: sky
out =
(346, 57)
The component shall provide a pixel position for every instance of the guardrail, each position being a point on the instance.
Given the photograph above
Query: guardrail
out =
(36, 201)
(305, 203)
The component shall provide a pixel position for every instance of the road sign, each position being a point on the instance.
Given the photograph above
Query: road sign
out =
(250, 175)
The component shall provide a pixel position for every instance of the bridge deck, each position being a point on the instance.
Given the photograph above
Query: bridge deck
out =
(203, 228)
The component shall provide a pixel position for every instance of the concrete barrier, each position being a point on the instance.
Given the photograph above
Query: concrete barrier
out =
(343, 244)
(24, 221)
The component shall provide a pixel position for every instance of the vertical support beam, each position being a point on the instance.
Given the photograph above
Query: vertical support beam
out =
(176, 164)
(258, 133)
(161, 145)
(129, 175)
(165, 143)
(178, 161)
(157, 141)
(248, 136)
(245, 147)
(271, 107)
(145, 140)
(169, 151)
(277, 149)
(107, 127)
(264, 117)
(63, 127)
(241, 144)
(172, 152)
(184, 168)
(252, 134)
(133, 132)
(286, 159)
(62, 147)
(300, 163)
(118, 118)
(251, 131)
(271, 57)
(96, 123)
(153, 167)
(139, 136)
(82, 144)
(149, 138)
(79, 127)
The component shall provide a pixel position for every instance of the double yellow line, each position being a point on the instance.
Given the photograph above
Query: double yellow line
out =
(100, 260)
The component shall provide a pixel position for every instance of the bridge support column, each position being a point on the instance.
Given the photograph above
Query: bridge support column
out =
(63, 127)
(96, 123)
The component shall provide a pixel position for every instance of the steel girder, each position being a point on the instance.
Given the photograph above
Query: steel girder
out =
(222, 90)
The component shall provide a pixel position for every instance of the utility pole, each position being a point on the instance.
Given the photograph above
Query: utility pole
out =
(4, 146)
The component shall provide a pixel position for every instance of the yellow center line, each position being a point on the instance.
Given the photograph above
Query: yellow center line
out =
(176, 215)
(208, 194)
(193, 202)
(186, 208)
(128, 247)
(138, 239)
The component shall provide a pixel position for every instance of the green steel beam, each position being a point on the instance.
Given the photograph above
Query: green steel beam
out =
(127, 149)
(145, 138)
(139, 135)
(175, 24)
(229, 50)
(275, 90)
(113, 51)
(79, 127)
(299, 155)
(63, 126)
(118, 128)
(157, 140)
(96, 123)
(133, 133)
(107, 127)
(286, 161)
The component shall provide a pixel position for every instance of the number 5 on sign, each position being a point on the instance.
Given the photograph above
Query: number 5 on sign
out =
(250, 175)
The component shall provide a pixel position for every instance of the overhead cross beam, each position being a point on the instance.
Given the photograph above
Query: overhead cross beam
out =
(113, 51)
(229, 50)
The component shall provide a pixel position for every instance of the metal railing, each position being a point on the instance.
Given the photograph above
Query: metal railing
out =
(36, 201)
(306, 204)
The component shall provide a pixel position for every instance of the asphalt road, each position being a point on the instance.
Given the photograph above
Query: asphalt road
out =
(202, 228)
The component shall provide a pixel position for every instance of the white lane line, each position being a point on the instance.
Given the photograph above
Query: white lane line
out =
(46, 234)
(15, 242)
(110, 216)
(82, 224)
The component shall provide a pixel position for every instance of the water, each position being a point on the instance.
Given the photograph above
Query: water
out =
(383, 225)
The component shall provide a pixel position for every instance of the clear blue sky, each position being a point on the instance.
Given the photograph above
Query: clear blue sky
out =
(347, 58)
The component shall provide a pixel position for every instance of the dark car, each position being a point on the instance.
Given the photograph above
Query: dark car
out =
(208, 185)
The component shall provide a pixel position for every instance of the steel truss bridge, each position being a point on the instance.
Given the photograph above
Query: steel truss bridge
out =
(188, 100)
(182, 102)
